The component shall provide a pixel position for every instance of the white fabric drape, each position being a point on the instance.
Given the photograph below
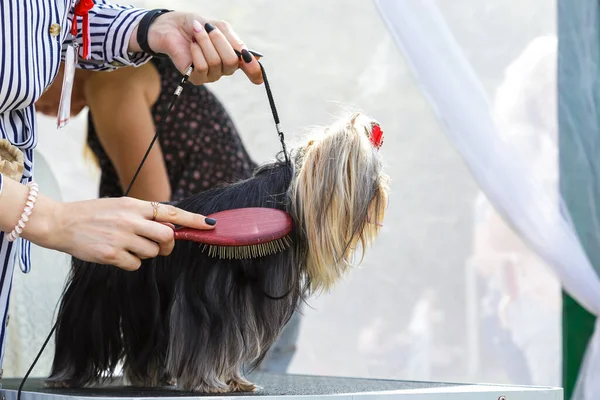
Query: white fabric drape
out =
(510, 180)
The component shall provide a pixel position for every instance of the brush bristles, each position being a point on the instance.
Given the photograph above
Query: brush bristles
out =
(246, 252)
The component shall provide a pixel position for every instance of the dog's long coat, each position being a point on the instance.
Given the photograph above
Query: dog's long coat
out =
(197, 321)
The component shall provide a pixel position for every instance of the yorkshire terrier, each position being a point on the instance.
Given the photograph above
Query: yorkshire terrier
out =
(195, 321)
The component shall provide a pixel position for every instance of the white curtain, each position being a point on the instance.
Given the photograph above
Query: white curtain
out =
(513, 181)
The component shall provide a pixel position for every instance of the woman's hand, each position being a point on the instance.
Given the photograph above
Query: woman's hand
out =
(117, 231)
(207, 44)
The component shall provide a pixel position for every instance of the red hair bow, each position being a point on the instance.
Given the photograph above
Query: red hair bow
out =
(82, 9)
(376, 136)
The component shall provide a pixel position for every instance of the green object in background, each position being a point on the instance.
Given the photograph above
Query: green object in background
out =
(577, 328)
(579, 140)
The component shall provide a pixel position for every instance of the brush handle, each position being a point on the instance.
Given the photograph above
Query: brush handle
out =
(241, 227)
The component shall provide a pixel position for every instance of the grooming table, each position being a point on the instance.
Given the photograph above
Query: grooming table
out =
(295, 387)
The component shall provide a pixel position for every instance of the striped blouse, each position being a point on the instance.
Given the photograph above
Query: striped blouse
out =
(32, 33)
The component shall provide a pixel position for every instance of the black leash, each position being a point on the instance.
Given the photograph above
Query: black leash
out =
(178, 91)
(176, 94)
(274, 111)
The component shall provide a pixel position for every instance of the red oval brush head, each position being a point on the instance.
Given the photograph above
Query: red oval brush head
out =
(243, 233)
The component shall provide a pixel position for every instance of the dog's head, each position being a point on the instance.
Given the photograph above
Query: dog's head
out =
(339, 195)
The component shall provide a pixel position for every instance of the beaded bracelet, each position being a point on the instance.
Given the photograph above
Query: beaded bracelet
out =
(31, 199)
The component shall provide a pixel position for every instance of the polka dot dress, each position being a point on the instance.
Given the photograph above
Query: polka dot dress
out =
(200, 143)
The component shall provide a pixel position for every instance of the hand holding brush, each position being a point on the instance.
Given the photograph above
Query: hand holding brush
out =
(115, 231)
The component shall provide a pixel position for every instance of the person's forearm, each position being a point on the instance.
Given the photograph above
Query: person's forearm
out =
(12, 204)
(152, 183)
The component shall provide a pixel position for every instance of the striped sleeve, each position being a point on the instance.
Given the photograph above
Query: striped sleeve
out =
(111, 27)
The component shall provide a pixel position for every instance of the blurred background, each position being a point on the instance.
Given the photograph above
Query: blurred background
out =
(437, 297)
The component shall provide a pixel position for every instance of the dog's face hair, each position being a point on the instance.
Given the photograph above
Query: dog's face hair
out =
(338, 196)
(198, 320)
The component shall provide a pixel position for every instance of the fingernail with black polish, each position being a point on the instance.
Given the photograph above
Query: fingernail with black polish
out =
(209, 28)
(210, 221)
(255, 53)
(246, 56)
(237, 53)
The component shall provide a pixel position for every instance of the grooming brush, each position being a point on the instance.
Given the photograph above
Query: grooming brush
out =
(243, 233)
(246, 232)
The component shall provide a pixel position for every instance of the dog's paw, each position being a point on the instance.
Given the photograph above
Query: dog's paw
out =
(241, 385)
(214, 388)
(57, 384)
(170, 382)
(220, 389)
